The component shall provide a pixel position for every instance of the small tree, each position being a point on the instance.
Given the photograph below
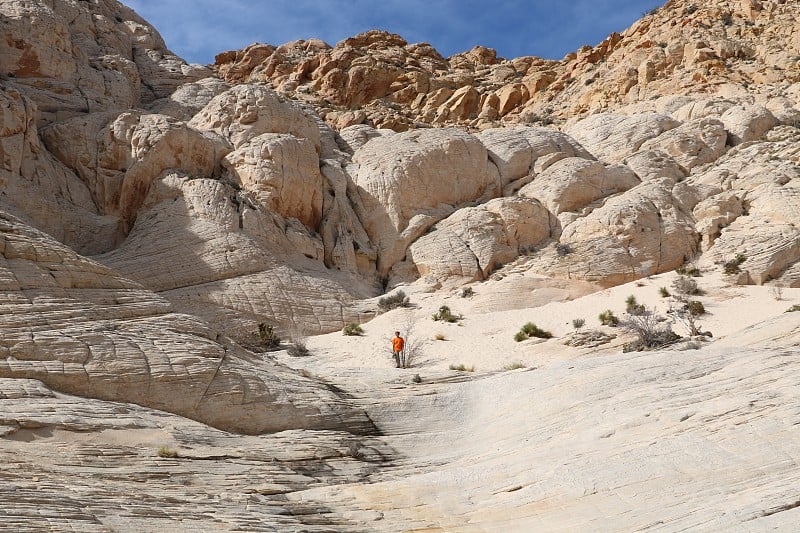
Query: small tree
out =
(578, 323)
(413, 347)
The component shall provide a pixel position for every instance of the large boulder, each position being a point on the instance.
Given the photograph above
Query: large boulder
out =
(408, 181)
(473, 241)
(573, 183)
(612, 137)
(282, 173)
(246, 111)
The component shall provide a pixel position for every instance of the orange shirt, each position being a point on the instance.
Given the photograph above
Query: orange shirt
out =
(397, 344)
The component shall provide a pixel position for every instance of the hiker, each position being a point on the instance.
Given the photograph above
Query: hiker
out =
(397, 346)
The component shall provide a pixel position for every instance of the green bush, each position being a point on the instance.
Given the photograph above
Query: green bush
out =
(353, 329)
(532, 330)
(664, 292)
(167, 452)
(732, 266)
(632, 306)
(607, 318)
(688, 270)
(267, 335)
(578, 323)
(445, 315)
(695, 308)
(393, 301)
(520, 336)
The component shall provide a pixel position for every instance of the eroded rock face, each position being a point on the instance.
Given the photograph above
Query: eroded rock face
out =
(99, 335)
(471, 243)
(409, 181)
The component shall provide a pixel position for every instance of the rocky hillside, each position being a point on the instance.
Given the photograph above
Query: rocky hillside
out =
(153, 213)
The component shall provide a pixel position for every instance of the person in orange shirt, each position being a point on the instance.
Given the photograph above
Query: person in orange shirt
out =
(397, 347)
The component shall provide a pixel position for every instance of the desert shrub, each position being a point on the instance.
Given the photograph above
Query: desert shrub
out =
(416, 378)
(514, 366)
(578, 323)
(520, 336)
(393, 301)
(563, 249)
(353, 329)
(607, 318)
(792, 309)
(298, 348)
(777, 291)
(440, 337)
(445, 315)
(733, 266)
(466, 292)
(462, 368)
(632, 306)
(688, 269)
(695, 308)
(267, 337)
(685, 286)
(532, 330)
(651, 331)
(663, 292)
(167, 452)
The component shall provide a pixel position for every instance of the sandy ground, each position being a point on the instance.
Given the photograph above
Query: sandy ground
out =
(484, 337)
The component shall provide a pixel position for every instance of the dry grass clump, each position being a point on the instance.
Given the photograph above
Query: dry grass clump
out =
(353, 329)
(515, 365)
(462, 368)
(167, 452)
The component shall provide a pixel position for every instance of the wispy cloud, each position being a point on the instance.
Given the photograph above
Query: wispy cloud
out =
(200, 29)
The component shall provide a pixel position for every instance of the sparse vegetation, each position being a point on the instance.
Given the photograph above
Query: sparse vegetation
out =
(695, 308)
(531, 330)
(514, 366)
(578, 323)
(733, 266)
(444, 314)
(466, 292)
(589, 339)
(167, 452)
(777, 291)
(416, 378)
(607, 318)
(563, 249)
(685, 286)
(462, 368)
(440, 337)
(413, 347)
(298, 348)
(632, 306)
(688, 269)
(792, 309)
(393, 301)
(651, 331)
(353, 329)
(664, 292)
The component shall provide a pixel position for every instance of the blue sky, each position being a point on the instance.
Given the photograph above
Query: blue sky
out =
(200, 29)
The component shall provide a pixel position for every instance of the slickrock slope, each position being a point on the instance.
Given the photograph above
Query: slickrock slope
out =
(155, 214)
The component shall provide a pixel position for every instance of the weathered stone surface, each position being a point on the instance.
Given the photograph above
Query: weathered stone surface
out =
(81, 328)
(612, 137)
(747, 123)
(635, 234)
(471, 243)
(517, 151)
(409, 181)
(189, 99)
(246, 111)
(691, 144)
(573, 183)
(71, 59)
(119, 156)
(282, 173)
